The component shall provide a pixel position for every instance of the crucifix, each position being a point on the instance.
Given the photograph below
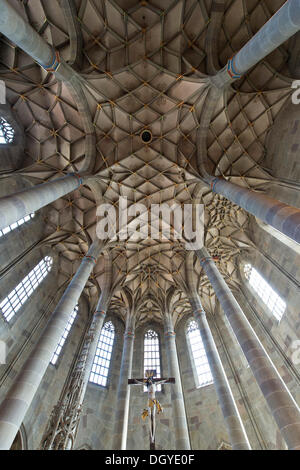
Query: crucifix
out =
(153, 405)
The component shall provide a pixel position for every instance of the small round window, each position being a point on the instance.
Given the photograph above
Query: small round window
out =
(6, 132)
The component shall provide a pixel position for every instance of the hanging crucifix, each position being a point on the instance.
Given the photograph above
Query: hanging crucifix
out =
(153, 405)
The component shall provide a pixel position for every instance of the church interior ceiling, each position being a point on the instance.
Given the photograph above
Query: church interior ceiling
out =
(145, 65)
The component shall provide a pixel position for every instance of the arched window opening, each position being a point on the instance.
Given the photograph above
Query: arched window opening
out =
(18, 296)
(6, 132)
(64, 336)
(11, 227)
(275, 304)
(101, 364)
(200, 361)
(152, 355)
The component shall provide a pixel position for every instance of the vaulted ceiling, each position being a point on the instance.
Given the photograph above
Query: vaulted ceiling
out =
(146, 65)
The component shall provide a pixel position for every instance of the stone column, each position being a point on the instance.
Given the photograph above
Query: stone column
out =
(18, 399)
(236, 431)
(281, 403)
(18, 205)
(182, 438)
(284, 218)
(284, 24)
(123, 394)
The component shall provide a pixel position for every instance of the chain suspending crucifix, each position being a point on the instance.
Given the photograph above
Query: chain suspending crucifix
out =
(153, 405)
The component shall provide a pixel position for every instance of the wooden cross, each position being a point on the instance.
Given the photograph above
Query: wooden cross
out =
(153, 405)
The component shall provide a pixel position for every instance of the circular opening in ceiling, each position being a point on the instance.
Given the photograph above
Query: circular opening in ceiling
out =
(146, 136)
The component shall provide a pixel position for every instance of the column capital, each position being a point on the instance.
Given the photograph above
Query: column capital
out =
(213, 182)
(52, 67)
(80, 179)
(234, 75)
(170, 333)
(90, 258)
(208, 258)
(204, 260)
(100, 312)
(129, 334)
(199, 311)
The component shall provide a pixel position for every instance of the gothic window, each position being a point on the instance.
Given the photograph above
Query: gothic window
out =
(6, 132)
(11, 227)
(64, 336)
(18, 296)
(100, 368)
(199, 357)
(272, 300)
(152, 354)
